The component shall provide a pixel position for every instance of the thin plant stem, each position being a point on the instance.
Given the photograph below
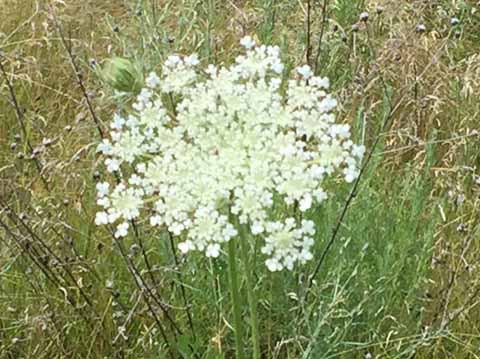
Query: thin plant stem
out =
(182, 286)
(77, 71)
(21, 120)
(322, 32)
(309, 32)
(236, 301)
(251, 297)
(143, 292)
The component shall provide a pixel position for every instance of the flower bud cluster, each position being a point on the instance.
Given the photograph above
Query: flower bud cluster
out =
(208, 150)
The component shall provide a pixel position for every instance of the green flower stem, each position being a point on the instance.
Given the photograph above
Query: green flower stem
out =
(252, 298)
(236, 300)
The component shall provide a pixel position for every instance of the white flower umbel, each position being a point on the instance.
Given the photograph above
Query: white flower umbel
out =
(206, 150)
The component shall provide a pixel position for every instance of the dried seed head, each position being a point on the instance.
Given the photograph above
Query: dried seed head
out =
(421, 28)
(80, 117)
(477, 180)
(118, 314)
(68, 128)
(134, 249)
(109, 284)
(364, 16)
(47, 142)
(380, 9)
(37, 150)
(355, 27)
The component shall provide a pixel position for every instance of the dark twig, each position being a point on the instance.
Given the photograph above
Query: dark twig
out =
(182, 286)
(144, 255)
(147, 293)
(14, 217)
(322, 32)
(309, 33)
(353, 192)
(78, 74)
(386, 123)
(35, 256)
(68, 48)
(21, 120)
(143, 288)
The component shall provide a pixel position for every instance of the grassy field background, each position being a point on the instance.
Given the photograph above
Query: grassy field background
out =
(400, 277)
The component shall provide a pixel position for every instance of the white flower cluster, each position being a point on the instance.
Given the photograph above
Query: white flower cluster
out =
(203, 146)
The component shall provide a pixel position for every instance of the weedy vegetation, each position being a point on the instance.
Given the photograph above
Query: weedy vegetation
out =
(395, 267)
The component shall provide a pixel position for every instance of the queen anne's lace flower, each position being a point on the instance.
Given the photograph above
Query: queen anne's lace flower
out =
(206, 151)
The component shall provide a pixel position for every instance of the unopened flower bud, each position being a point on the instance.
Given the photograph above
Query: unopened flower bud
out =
(122, 74)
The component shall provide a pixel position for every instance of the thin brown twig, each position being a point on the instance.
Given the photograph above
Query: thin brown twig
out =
(145, 289)
(49, 274)
(141, 286)
(386, 123)
(21, 120)
(182, 286)
(81, 85)
(322, 32)
(78, 74)
(309, 33)
(14, 217)
(33, 283)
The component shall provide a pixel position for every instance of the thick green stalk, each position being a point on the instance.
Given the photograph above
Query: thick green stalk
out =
(237, 304)
(252, 298)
